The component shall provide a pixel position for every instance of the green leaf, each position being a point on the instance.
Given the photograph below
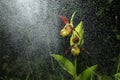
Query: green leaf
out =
(103, 77)
(117, 75)
(78, 32)
(118, 36)
(87, 73)
(110, 1)
(71, 20)
(99, 77)
(27, 77)
(65, 64)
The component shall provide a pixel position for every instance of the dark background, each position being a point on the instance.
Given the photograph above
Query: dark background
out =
(29, 33)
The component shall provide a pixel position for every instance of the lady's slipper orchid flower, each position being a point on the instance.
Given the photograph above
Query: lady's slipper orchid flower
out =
(75, 50)
(67, 30)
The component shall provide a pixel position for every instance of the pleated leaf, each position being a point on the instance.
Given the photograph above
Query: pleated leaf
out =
(65, 63)
(87, 73)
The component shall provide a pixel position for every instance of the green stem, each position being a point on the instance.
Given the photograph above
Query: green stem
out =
(75, 63)
(118, 65)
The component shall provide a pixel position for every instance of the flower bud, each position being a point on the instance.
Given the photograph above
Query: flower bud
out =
(75, 50)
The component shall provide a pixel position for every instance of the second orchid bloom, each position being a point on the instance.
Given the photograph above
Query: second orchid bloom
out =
(67, 30)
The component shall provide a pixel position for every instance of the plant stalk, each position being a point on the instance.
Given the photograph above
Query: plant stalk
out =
(118, 66)
(75, 63)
